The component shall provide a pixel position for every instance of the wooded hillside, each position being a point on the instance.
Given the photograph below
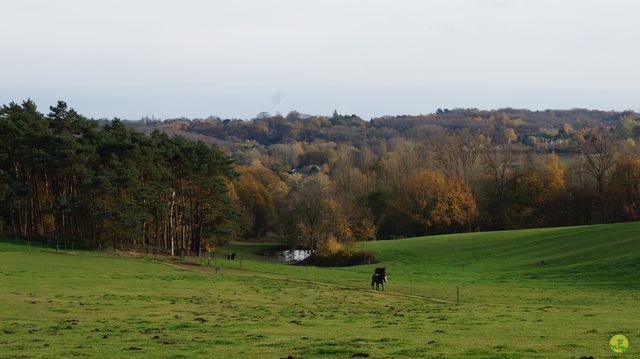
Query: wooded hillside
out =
(185, 184)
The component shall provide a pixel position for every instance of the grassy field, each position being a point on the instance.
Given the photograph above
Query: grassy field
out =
(481, 295)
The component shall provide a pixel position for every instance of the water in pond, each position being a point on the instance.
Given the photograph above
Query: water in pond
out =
(292, 255)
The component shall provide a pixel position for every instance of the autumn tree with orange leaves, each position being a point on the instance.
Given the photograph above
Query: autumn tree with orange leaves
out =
(429, 199)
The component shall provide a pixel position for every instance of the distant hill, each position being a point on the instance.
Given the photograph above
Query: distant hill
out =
(530, 127)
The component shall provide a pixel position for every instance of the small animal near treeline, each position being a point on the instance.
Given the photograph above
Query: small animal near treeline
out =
(379, 277)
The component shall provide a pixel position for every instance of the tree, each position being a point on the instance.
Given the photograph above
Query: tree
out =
(525, 201)
(26, 161)
(258, 188)
(510, 135)
(457, 154)
(429, 199)
(213, 217)
(626, 190)
(601, 152)
(310, 211)
(400, 160)
(554, 202)
(498, 163)
(554, 176)
(287, 153)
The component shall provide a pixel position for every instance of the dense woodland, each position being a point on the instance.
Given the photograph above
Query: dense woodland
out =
(188, 185)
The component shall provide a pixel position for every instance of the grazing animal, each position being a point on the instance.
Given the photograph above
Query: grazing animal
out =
(379, 277)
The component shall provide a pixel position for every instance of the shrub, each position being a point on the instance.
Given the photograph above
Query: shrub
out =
(340, 259)
(329, 247)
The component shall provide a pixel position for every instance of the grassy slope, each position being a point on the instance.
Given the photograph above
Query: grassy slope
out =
(94, 305)
(605, 256)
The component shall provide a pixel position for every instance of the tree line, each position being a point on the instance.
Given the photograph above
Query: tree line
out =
(101, 184)
(505, 168)
(186, 186)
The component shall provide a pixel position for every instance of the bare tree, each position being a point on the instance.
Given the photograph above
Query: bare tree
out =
(601, 152)
(457, 154)
(403, 157)
(498, 167)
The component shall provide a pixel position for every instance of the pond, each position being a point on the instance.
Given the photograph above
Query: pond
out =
(295, 255)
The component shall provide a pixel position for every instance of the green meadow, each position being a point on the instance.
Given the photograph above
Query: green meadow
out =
(544, 293)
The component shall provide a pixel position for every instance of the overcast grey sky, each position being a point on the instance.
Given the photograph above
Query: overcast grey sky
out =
(237, 58)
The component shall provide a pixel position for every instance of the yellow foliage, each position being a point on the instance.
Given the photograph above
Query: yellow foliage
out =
(329, 246)
(554, 175)
(430, 198)
(510, 135)
(365, 231)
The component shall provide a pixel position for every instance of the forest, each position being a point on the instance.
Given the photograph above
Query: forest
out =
(187, 186)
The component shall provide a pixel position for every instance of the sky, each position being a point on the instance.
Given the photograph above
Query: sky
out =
(238, 58)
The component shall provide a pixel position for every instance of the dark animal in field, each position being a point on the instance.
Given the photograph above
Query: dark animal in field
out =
(231, 257)
(379, 277)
